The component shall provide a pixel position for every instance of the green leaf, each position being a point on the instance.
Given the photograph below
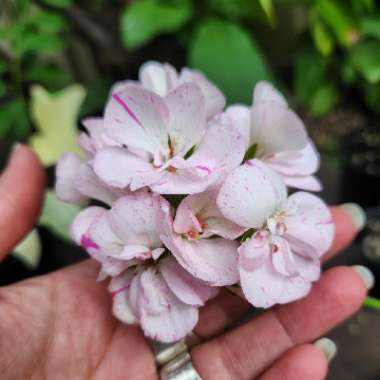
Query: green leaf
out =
(55, 117)
(29, 250)
(309, 73)
(321, 35)
(337, 16)
(14, 121)
(267, 7)
(227, 54)
(40, 43)
(57, 216)
(323, 100)
(59, 3)
(250, 153)
(47, 22)
(48, 75)
(370, 27)
(365, 58)
(372, 96)
(145, 19)
(3, 67)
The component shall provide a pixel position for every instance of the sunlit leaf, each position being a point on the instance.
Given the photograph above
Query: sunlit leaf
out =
(29, 250)
(228, 55)
(321, 35)
(365, 58)
(143, 20)
(55, 117)
(370, 27)
(57, 216)
(267, 6)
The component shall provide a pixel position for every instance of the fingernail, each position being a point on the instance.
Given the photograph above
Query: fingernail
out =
(327, 346)
(366, 275)
(356, 213)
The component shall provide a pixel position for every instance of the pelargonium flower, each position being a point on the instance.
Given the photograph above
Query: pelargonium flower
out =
(282, 258)
(202, 240)
(163, 78)
(76, 180)
(163, 299)
(166, 143)
(274, 134)
(127, 234)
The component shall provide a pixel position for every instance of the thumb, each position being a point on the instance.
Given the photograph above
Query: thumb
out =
(21, 192)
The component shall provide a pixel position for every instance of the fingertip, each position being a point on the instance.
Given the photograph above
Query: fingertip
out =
(21, 194)
(345, 231)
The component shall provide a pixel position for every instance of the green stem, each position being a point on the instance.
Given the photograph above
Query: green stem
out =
(373, 303)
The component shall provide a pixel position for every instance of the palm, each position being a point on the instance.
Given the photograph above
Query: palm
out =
(60, 326)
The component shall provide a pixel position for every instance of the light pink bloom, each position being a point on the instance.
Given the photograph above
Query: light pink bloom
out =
(76, 180)
(282, 258)
(163, 299)
(125, 235)
(163, 78)
(213, 260)
(166, 143)
(279, 135)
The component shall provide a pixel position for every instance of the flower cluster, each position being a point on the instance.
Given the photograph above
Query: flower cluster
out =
(192, 196)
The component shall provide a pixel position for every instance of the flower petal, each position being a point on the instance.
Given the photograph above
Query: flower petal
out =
(309, 228)
(187, 121)
(157, 77)
(276, 128)
(265, 92)
(187, 288)
(137, 219)
(240, 118)
(214, 98)
(137, 117)
(251, 194)
(117, 167)
(66, 172)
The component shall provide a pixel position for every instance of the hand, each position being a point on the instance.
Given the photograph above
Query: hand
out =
(60, 326)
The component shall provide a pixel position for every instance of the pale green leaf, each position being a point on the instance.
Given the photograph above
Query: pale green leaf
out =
(227, 54)
(143, 20)
(321, 35)
(57, 215)
(55, 117)
(29, 250)
(365, 59)
(267, 6)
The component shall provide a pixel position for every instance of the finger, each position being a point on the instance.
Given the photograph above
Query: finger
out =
(227, 308)
(302, 362)
(246, 351)
(21, 191)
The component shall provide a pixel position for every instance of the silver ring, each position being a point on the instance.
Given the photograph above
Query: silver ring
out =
(180, 368)
(165, 352)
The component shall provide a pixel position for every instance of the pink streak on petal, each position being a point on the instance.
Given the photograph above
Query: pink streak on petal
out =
(127, 109)
(87, 243)
(249, 163)
(205, 168)
(114, 293)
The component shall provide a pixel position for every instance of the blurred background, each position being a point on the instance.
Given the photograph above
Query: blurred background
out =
(58, 59)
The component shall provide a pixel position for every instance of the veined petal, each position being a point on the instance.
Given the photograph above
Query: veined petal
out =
(137, 219)
(222, 144)
(309, 183)
(240, 116)
(138, 118)
(253, 252)
(211, 260)
(117, 167)
(265, 92)
(157, 77)
(119, 289)
(95, 129)
(187, 288)
(66, 172)
(275, 128)
(309, 227)
(213, 97)
(251, 194)
(83, 221)
(187, 120)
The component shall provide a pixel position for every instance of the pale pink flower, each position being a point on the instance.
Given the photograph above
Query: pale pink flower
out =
(125, 235)
(282, 258)
(279, 137)
(163, 299)
(163, 78)
(166, 143)
(202, 240)
(76, 181)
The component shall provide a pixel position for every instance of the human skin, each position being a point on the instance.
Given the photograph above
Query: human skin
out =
(60, 326)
